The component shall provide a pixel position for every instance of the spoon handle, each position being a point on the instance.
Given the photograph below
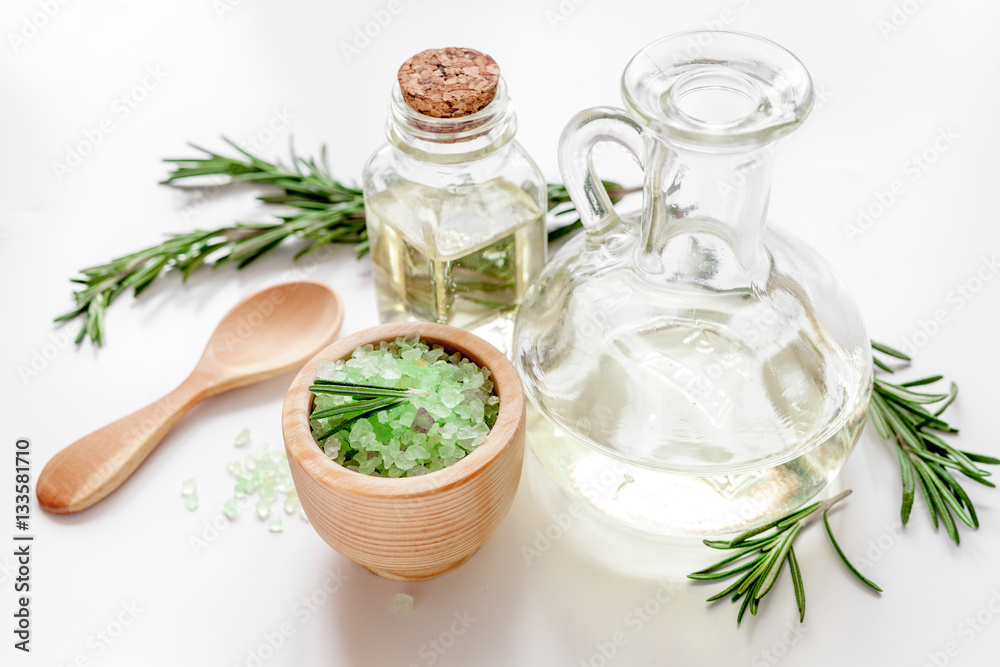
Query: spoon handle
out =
(97, 464)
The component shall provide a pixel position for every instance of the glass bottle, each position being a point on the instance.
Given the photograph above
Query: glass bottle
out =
(455, 212)
(693, 371)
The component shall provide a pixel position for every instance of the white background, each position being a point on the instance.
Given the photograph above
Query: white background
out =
(888, 95)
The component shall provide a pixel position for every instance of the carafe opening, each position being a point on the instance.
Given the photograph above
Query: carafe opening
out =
(717, 89)
(715, 96)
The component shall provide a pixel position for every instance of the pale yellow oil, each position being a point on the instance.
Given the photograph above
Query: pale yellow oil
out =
(462, 256)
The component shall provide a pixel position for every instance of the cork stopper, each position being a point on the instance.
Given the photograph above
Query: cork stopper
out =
(450, 82)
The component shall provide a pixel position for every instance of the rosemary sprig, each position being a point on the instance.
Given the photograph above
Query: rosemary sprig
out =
(326, 212)
(366, 399)
(759, 558)
(903, 416)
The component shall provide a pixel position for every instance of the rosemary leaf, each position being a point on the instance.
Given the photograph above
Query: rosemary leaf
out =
(843, 557)
(892, 352)
(800, 589)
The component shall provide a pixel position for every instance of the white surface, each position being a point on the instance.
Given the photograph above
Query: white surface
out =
(887, 98)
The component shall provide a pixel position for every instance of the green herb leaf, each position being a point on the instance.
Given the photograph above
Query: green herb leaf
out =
(840, 552)
(800, 589)
(892, 352)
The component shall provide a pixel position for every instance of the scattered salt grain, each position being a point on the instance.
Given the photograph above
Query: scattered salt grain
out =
(402, 603)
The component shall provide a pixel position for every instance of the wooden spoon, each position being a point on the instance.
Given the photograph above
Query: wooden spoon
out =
(266, 334)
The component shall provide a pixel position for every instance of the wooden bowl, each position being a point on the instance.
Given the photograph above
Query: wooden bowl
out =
(409, 528)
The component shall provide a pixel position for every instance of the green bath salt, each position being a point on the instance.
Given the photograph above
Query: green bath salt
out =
(402, 408)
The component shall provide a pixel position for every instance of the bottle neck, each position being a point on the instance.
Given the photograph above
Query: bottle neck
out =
(451, 140)
(704, 214)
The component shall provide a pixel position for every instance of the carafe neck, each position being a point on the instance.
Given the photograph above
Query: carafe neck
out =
(704, 214)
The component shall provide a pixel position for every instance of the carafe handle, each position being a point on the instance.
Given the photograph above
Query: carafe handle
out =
(584, 131)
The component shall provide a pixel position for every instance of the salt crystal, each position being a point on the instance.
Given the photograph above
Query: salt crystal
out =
(275, 526)
(326, 370)
(191, 502)
(230, 509)
(242, 438)
(476, 410)
(402, 603)
(189, 487)
(263, 509)
(418, 452)
(439, 411)
(422, 421)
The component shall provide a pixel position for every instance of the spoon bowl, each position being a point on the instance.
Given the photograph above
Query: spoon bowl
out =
(272, 332)
(266, 334)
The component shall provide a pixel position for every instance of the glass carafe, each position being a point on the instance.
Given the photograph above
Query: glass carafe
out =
(693, 371)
